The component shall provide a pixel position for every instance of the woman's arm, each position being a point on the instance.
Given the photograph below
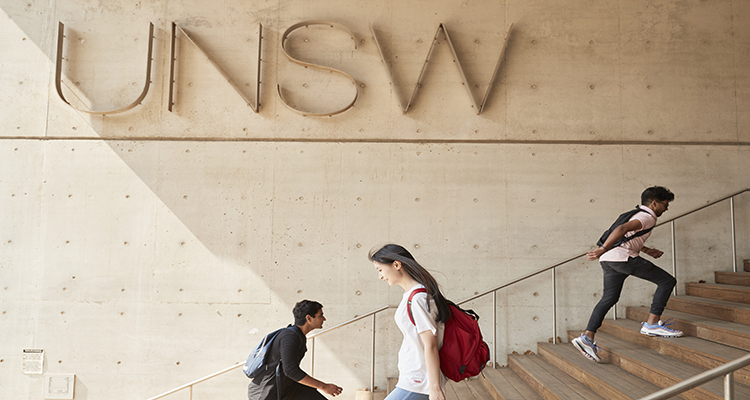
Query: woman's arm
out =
(432, 358)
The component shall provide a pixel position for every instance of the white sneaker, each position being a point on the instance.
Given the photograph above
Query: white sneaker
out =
(587, 347)
(661, 329)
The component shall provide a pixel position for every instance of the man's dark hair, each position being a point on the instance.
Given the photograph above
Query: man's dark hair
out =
(303, 309)
(658, 193)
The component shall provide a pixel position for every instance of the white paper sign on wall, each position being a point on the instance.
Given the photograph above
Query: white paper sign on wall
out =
(33, 361)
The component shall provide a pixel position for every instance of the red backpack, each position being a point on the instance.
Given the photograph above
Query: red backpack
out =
(464, 354)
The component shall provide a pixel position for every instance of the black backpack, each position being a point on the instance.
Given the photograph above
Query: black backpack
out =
(622, 219)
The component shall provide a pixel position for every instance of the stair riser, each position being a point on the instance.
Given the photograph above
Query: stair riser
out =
(709, 310)
(666, 348)
(728, 338)
(730, 278)
(600, 387)
(696, 289)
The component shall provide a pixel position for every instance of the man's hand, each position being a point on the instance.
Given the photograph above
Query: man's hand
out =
(595, 254)
(331, 389)
(655, 253)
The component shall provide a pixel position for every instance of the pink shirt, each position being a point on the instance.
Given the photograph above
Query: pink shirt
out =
(632, 248)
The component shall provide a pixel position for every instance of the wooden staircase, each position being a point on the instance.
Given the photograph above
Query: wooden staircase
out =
(714, 316)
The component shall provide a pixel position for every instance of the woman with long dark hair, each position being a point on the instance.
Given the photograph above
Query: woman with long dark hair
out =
(419, 376)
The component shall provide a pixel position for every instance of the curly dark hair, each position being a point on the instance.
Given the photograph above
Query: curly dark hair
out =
(303, 309)
(656, 193)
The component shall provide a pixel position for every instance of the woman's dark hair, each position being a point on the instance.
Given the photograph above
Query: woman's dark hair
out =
(303, 309)
(656, 193)
(393, 252)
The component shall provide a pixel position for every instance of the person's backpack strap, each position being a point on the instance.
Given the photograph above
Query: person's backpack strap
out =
(408, 303)
(622, 219)
(279, 371)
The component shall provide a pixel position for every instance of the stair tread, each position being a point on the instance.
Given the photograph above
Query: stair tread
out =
(619, 380)
(666, 366)
(732, 278)
(508, 384)
(687, 343)
(738, 273)
(722, 286)
(459, 391)
(740, 329)
(468, 389)
(552, 379)
(712, 302)
(478, 389)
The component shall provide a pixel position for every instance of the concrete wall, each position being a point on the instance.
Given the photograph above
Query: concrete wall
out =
(145, 249)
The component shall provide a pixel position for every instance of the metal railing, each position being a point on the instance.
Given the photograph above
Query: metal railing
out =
(727, 370)
(494, 291)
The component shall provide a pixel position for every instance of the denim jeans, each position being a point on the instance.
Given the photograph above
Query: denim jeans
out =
(615, 273)
(401, 394)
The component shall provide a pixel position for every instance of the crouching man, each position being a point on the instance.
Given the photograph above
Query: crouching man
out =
(288, 349)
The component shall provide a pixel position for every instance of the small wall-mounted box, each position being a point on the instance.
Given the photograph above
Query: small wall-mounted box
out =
(59, 386)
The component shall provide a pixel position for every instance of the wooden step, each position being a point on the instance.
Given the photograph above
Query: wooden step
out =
(504, 384)
(368, 395)
(724, 332)
(467, 389)
(548, 381)
(692, 350)
(737, 293)
(660, 370)
(607, 380)
(719, 309)
(732, 278)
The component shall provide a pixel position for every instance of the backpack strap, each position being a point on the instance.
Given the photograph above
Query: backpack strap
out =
(408, 303)
(625, 239)
(279, 372)
(639, 233)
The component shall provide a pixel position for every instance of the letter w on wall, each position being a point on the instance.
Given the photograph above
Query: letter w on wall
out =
(442, 29)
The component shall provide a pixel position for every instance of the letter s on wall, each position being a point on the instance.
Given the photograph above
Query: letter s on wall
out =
(305, 64)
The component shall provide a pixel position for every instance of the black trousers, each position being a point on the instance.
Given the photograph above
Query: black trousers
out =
(614, 277)
(266, 390)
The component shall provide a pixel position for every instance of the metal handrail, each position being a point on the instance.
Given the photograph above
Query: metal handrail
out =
(726, 369)
(191, 384)
(355, 319)
(493, 291)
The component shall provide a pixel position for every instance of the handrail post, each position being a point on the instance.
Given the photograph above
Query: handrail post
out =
(372, 369)
(729, 386)
(674, 258)
(191, 392)
(734, 240)
(494, 329)
(554, 307)
(312, 358)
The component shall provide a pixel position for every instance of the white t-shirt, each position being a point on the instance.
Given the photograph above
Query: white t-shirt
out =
(412, 367)
(632, 248)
